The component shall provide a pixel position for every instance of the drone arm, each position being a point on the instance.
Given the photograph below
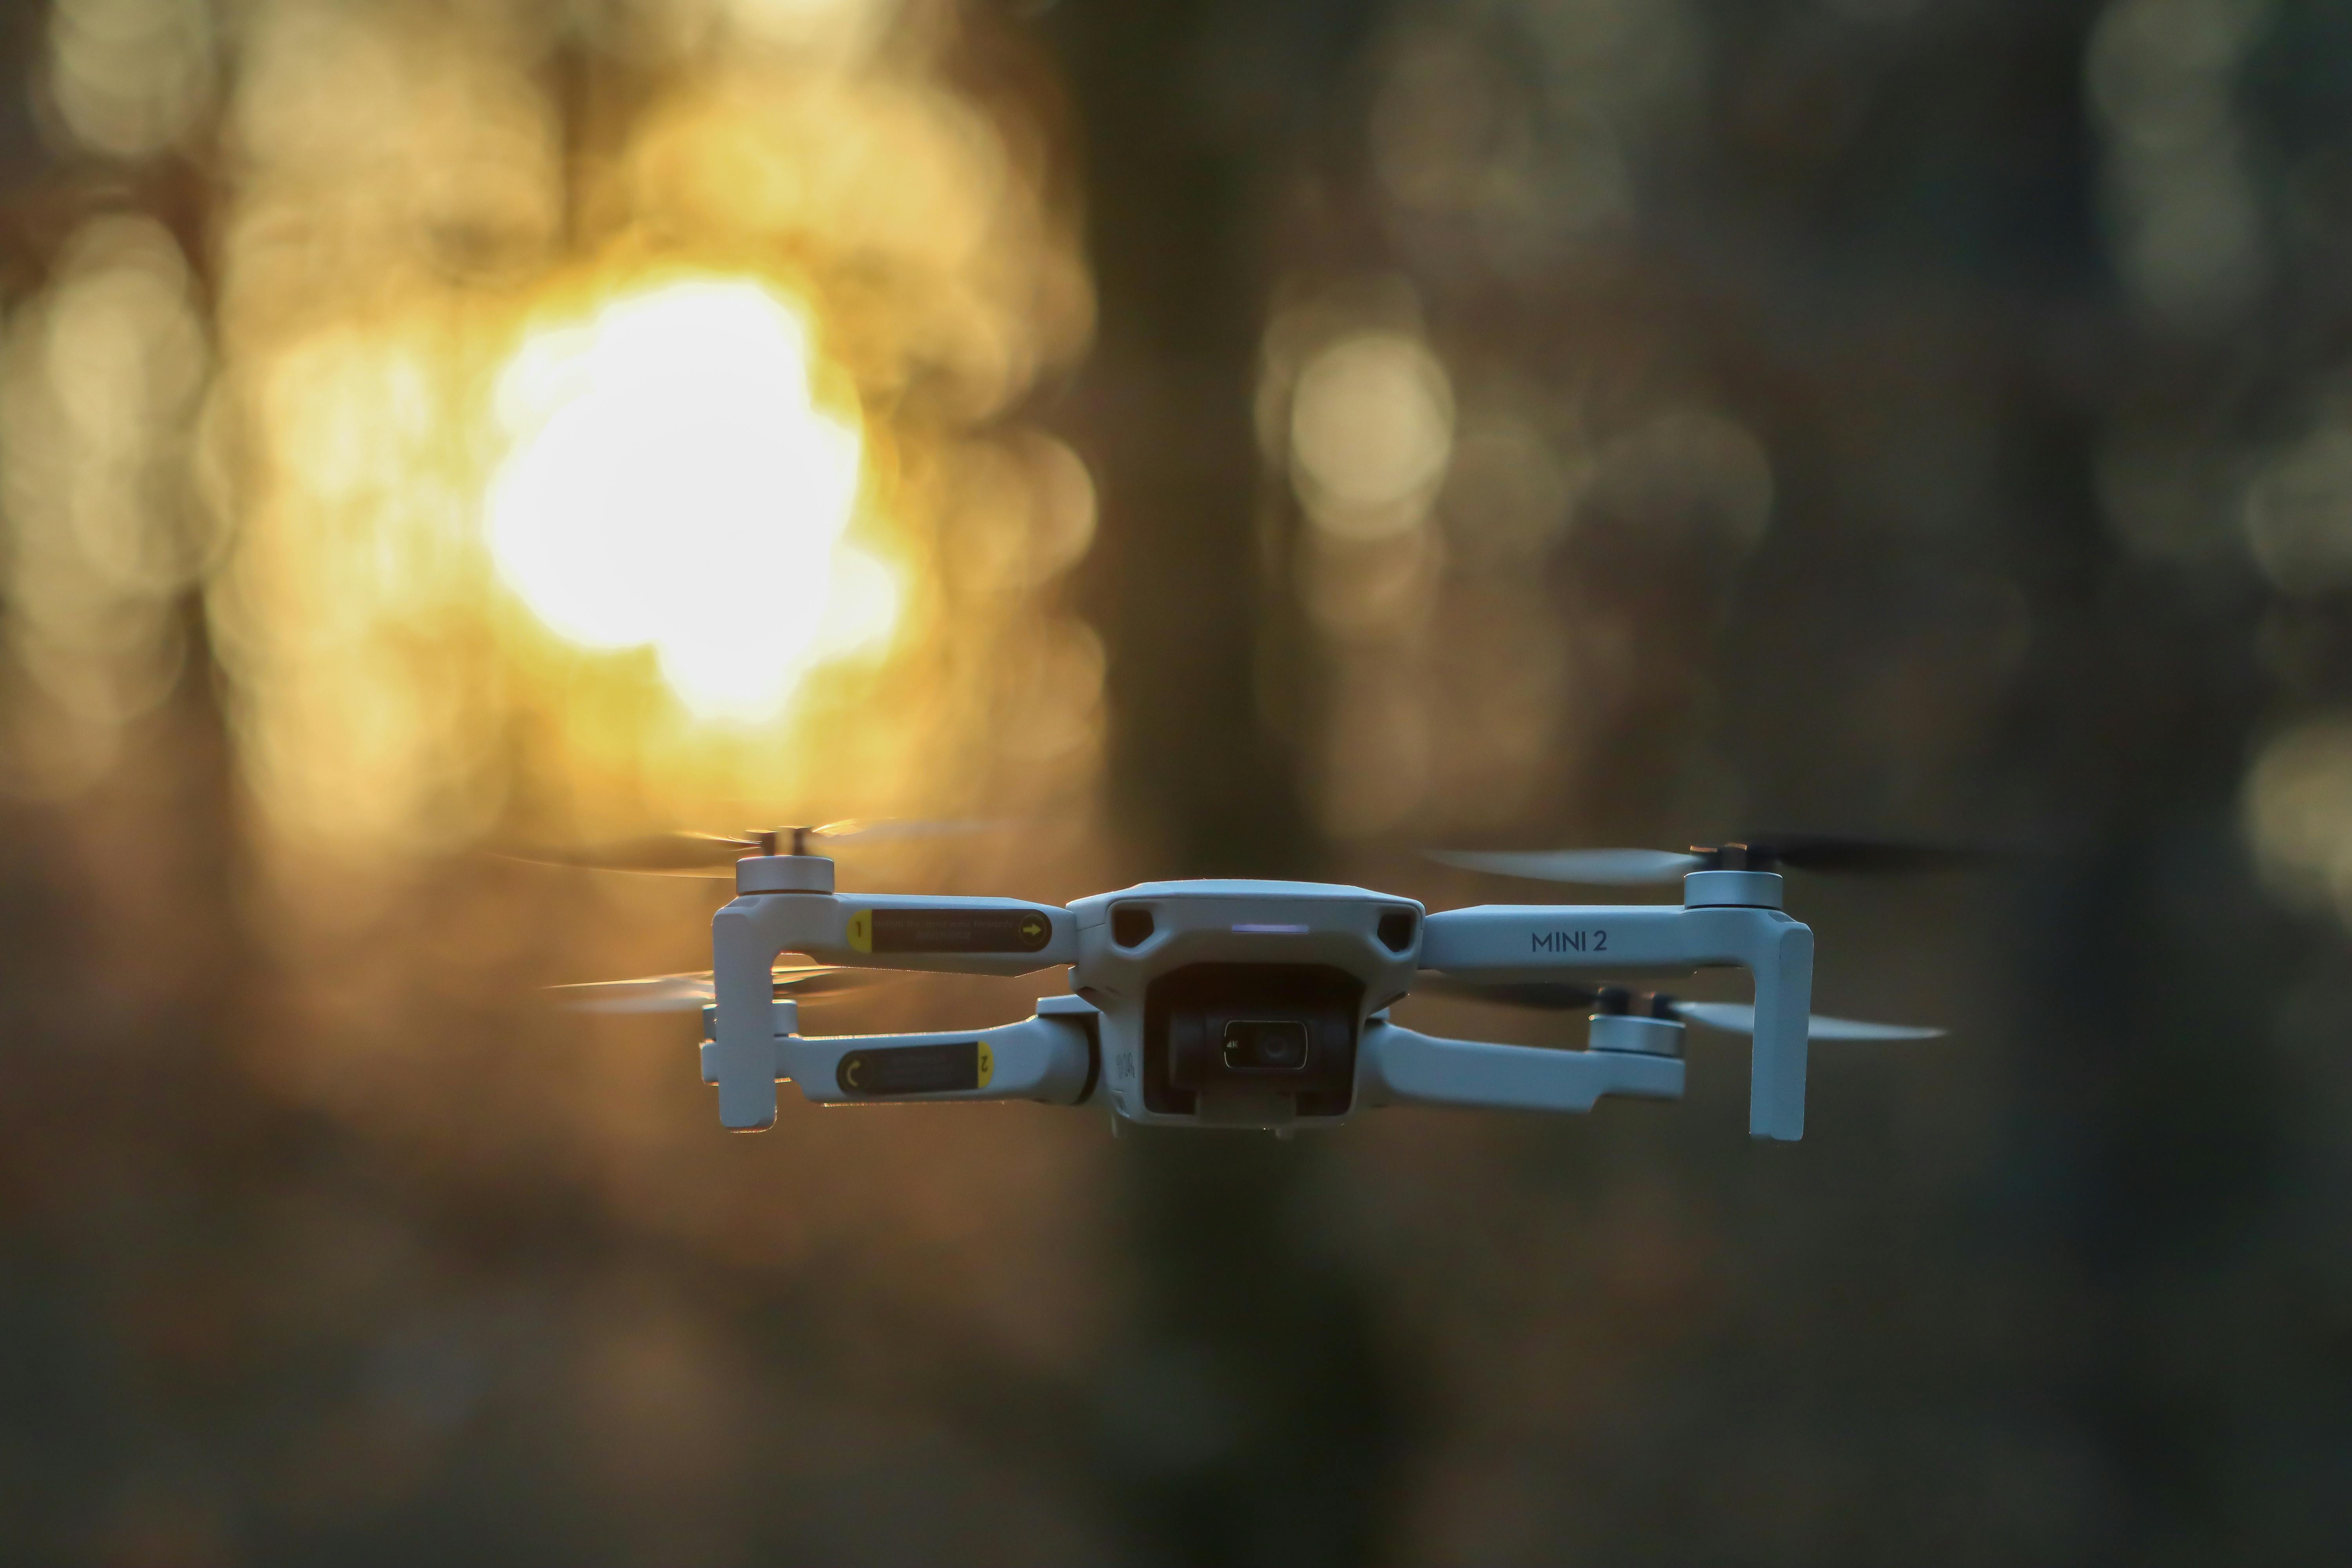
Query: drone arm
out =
(1052, 1059)
(1405, 1066)
(1539, 942)
(895, 931)
(963, 936)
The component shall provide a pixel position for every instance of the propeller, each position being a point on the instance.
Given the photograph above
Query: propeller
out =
(1739, 1019)
(1608, 867)
(712, 854)
(692, 993)
(1631, 867)
(1731, 1018)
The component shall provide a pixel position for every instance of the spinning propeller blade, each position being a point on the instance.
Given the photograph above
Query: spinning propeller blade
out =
(663, 853)
(654, 994)
(1796, 851)
(1612, 868)
(714, 855)
(1732, 1018)
(893, 829)
(1837, 852)
(1738, 1019)
(691, 993)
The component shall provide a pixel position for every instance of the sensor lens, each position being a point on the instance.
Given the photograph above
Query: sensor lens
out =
(1253, 1044)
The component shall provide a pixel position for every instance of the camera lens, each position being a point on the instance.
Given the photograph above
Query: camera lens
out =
(1265, 1046)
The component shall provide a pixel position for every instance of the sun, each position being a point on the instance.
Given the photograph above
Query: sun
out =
(671, 482)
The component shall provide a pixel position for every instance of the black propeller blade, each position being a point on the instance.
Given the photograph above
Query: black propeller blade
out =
(1830, 852)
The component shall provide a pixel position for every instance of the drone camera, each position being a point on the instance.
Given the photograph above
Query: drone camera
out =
(1219, 1031)
(1265, 1046)
(1239, 1004)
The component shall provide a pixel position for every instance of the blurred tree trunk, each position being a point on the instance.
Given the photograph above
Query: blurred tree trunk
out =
(1173, 201)
(1250, 1419)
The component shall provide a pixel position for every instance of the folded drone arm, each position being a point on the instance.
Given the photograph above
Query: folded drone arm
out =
(1052, 1059)
(1539, 942)
(1405, 1066)
(963, 936)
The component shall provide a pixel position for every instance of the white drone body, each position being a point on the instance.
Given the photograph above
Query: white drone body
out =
(1243, 1004)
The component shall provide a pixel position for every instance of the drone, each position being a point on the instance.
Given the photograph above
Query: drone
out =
(1251, 1004)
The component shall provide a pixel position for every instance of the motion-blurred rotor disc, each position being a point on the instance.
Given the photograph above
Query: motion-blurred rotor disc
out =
(1840, 852)
(1611, 867)
(669, 854)
(1769, 852)
(1738, 1019)
(893, 829)
(691, 993)
(714, 855)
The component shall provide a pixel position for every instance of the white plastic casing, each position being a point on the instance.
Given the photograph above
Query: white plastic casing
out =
(1229, 922)
(1539, 942)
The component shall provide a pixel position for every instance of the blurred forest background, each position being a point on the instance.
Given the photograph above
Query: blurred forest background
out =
(1215, 437)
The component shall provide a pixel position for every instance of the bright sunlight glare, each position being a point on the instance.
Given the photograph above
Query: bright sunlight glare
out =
(671, 483)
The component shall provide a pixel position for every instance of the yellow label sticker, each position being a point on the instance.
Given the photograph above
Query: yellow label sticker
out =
(987, 1064)
(861, 932)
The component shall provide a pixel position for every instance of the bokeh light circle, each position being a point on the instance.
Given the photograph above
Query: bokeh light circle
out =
(673, 483)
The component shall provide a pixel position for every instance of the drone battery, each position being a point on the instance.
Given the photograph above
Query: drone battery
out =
(914, 1070)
